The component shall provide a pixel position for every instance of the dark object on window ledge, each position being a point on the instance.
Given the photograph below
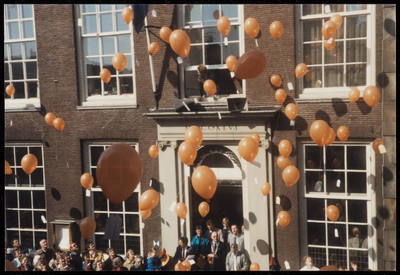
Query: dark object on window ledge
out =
(236, 104)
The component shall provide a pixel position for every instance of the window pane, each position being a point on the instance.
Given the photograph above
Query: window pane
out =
(93, 66)
(99, 201)
(315, 209)
(124, 44)
(230, 11)
(336, 241)
(312, 53)
(314, 181)
(312, 30)
(38, 237)
(121, 25)
(6, 72)
(333, 76)
(91, 46)
(19, 93)
(224, 82)
(95, 152)
(195, 36)
(356, 157)
(231, 49)
(234, 33)
(26, 11)
(11, 199)
(100, 221)
(312, 9)
(318, 255)
(313, 78)
(335, 55)
(17, 71)
(356, 75)
(101, 244)
(331, 182)
(5, 52)
(37, 151)
(33, 89)
(25, 199)
(93, 172)
(20, 152)
(23, 178)
(334, 157)
(88, 8)
(132, 224)
(213, 54)
(16, 51)
(12, 11)
(357, 182)
(38, 219)
(358, 237)
(27, 239)
(356, 51)
(89, 24)
(192, 13)
(341, 205)
(192, 86)
(28, 29)
(118, 245)
(121, 7)
(196, 55)
(128, 68)
(132, 203)
(31, 70)
(30, 50)
(208, 14)
(107, 43)
(356, 26)
(94, 86)
(9, 154)
(355, 7)
(105, 7)
(25, 219)
(39, 200)
(357, 211)
(126, 85)
(107, 63)
(11, 234)
(314, 157)
(133, 242)
(12, 219)
(110, 88)
(106, 24)
(316, 233)
(211, 35)
(336, 8)
(338, 257)
(37, 178)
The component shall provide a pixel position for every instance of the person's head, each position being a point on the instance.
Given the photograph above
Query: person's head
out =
(25, 260)
(61, 259)
(17, 253)
(356, 232)
(210, 224)
(43, 244)
(86, 257)
(111, 252)
(234, 229)
(98, 265)
(90, 246)
(199, 231)
(225, 222)
(153, 252)
(130, 255)
(214, 236)
(24, 267)
(15, 243)
(138, 260)
(40, 266)
(234, 248)
(67, 258)
(202, 70)
(117, 262)
(73, 247)
(307, 261)
(183, 241)
(57, 252)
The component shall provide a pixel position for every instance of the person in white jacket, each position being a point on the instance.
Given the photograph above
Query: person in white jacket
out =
(308, 264)
(235, 260)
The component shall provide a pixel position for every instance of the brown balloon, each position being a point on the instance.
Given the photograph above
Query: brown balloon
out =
(180, 42)
(145, 214)
(250, 65)
(10, 90)
(376, 143)
(276, 29)
(154, 47)
(119, 61)
(224, 25)
(284, 218)
(187, 265)
(204, 208)
(329, 46)
(285, 148)
(256, 137)
(7, 168)
(204, 182)
(265, 188)
(280, 95)
(210, 87)
(153, 151)
(187, 152)
(291, 111)
(10, 266)
(49, 118)
(248, 149)
(87, 181)
(252, 27)
(231, 62)
(283, 162)
(276, 80)
(319, 132)
(59, 124)
(195, 135)
(119, 170)
(301, 70)
(105, 75)
(343, 133)
(165, 34)
(29, 163)
(331, 137)
(87, 227)
(337, 19)
(254, 267)
(354, 95)
(148, 200)
(328, 29)
(290, 175)
(371, 96)
(332, 212)
(181, 210)
(127, 15)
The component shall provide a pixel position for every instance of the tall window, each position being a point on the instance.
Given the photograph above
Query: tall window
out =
(103, 34)
(350, 63)
(25, 199)
(20, 60)
(130, 236)
(338, 175)
(209, 47)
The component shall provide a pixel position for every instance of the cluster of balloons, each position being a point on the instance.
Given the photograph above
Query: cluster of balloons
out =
(290, 173)
(248, 147)
(329, 29)
(87, 227)
(10, 90)
(183, 266)
(57, 122)
(187, 151)
(322, 134)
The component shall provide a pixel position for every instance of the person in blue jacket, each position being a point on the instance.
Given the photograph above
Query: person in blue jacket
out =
(153, 261)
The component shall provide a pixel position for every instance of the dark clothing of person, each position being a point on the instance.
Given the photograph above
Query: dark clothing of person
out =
(76, 261)
(225, 233)
(9, 257)
(179, 255)
(135, 267)
(108, 264)
(218, 263)
(46, 256)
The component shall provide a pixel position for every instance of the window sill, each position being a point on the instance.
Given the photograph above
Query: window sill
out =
(211, 101)
(22, 105)
(109, 102)
(326, 95)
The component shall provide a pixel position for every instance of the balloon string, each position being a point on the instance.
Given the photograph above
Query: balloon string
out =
(280, 49)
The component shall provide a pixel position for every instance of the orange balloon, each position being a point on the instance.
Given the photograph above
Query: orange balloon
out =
(187, 152)
(256, 137)
(154, 47)
(291, 111)
(10, 90)
(290, 175)
(127, 15)
(285, 148)
(204, 182)
(254, 267)
(283, 162)
(284, 218)
(59, 124)
(180, 42)
(87, 227)
(105, 75)
(87, 181)
(250, 65)
(328, 29)
(331, 45)
(265, 188)
(153, 151)
(301, 70)
(231, 62)
(181, 210)
(195, 135)
(319, 132)
(354, 95)
(179, 267)
(187, 265)
(119, 170)
(210, 87)
(7, 168)
(343, 133)
(119, 61)
(49, 118)
(224, 25)
(276, 80)
(331, 137)
(145, 214)
(371, 95)
(337, 19)
(252, 27)
(280, 95)
(332, 212)
(376, 143)
(248, 149)
(29, 163)
(204, 208)
(165, 34)
(148, 200)
(276, 29)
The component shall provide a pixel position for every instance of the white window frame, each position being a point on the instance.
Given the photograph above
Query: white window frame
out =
(369, 197)
(21, 104)
(240, 24)
(101, 101)
(89, 201)
(31, 189)
(336, 92)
